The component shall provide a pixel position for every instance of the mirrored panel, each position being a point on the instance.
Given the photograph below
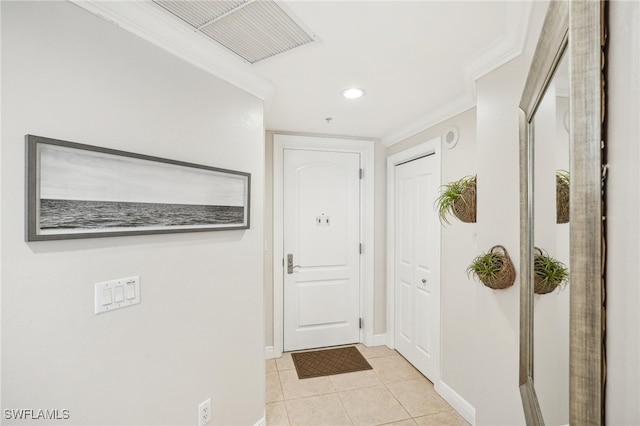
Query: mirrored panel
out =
(551, 248)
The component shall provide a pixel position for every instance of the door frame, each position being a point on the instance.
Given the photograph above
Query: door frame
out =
(430, 147)
(364, 147)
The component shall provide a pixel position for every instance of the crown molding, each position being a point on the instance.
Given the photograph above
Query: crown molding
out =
(151, 23)
(506, 48)
(451, 109)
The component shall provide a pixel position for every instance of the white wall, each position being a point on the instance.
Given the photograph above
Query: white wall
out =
(497, 312)
(198, 332)
(623, 230)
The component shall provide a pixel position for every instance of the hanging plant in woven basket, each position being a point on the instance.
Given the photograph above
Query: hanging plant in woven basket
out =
(562, 196)
(548, 273)
(458, 198)
(494, 268)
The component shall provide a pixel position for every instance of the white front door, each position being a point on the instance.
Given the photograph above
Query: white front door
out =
(417, 263)
(321, 248)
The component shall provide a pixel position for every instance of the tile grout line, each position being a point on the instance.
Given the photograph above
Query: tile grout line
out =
(286, 408)
(344, 408)
(284, 400)
(397, 400)
(334, 390)
(393, 395)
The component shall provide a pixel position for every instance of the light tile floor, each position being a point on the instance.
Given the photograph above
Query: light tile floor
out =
(393, 393)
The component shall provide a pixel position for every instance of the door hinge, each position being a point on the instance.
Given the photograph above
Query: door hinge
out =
(360, 248)
(360, 322)
(361, 173)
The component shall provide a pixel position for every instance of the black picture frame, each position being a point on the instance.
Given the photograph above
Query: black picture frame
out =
(76, 190)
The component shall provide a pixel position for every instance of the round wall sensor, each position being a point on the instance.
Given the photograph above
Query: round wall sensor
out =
(451, 137)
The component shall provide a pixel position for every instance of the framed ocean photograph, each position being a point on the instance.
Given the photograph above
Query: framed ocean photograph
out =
(83, 191)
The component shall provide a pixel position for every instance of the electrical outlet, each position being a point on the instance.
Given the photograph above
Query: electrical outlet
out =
(204, 412)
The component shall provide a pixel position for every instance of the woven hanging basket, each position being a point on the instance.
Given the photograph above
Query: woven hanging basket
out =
(562, 200)
(506, 276)
(465, 206)
(540, 285)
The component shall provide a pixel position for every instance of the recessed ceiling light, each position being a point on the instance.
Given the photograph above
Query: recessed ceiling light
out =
(353, 93)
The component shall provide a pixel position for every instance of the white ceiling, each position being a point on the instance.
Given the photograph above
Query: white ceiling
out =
(413, 58)
(417, 60)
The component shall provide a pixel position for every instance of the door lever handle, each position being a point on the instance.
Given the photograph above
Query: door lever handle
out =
(290, 265)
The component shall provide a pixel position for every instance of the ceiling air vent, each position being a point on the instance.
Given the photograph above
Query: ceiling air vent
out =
(252, 29)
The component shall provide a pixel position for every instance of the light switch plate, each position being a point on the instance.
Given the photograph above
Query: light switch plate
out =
(116, 294)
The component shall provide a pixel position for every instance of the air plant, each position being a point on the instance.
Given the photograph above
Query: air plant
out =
(549, 273)
(458, 198)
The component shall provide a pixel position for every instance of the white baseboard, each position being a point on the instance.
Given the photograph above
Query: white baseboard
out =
(270, 353)
(379, 339)
(262, 421)
(463, 408)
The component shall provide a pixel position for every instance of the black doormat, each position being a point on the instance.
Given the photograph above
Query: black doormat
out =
(329, 361)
